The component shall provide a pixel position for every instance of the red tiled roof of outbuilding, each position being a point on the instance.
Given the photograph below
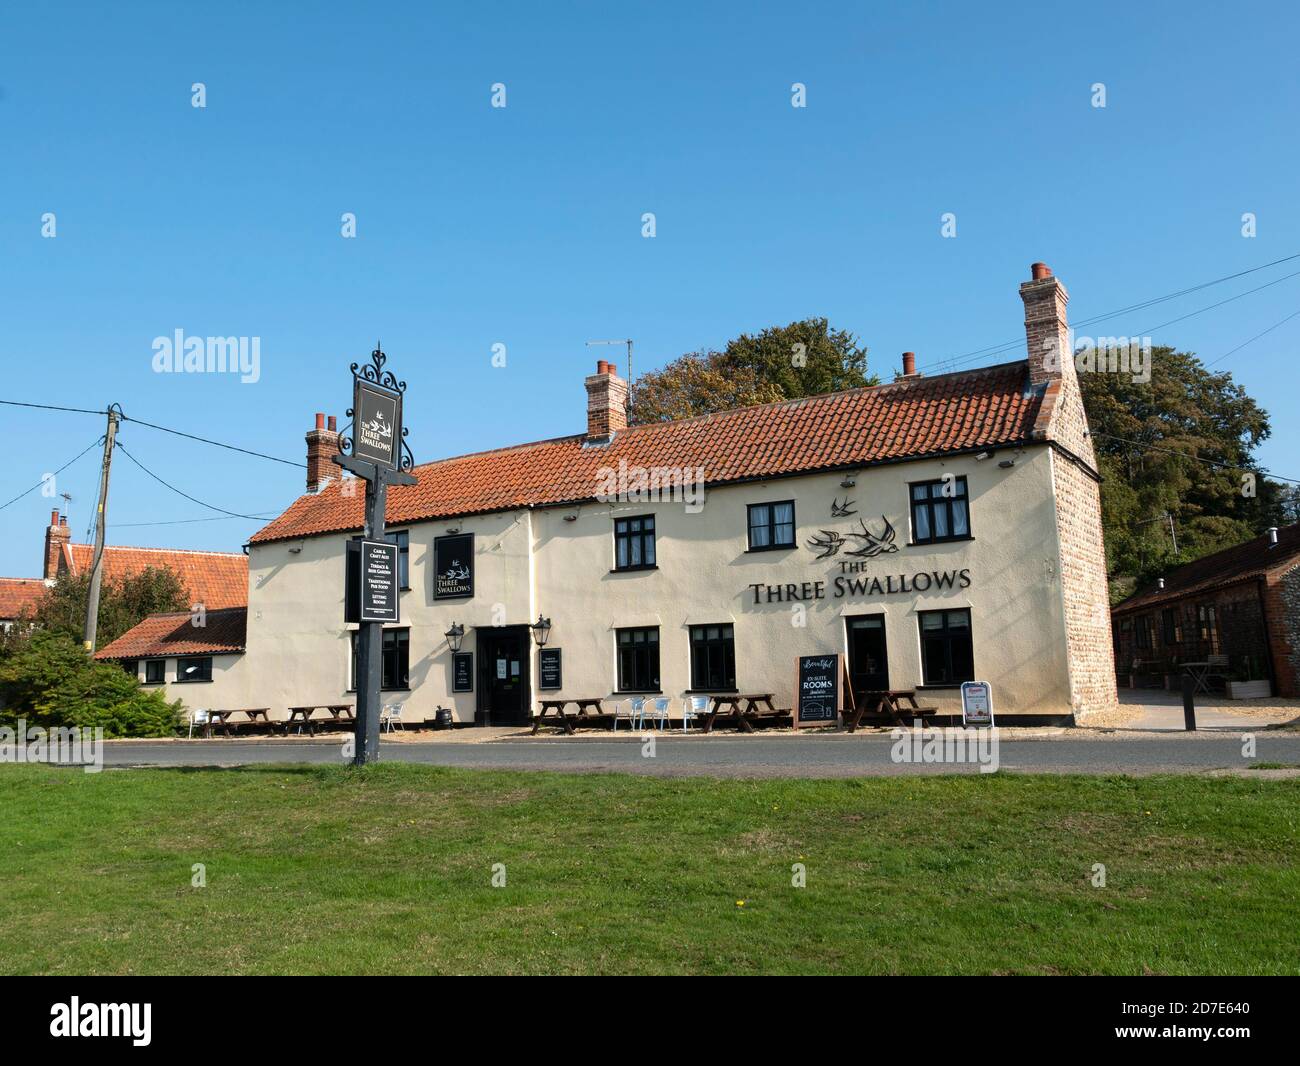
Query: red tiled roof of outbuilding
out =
(907, 419)
(215, 579)
(175, 634)
(19, 595)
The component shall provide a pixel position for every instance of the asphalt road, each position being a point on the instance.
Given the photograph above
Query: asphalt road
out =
(756, 756)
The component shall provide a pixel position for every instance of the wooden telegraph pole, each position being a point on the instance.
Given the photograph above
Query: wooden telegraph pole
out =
(378, 453)
(101, 517)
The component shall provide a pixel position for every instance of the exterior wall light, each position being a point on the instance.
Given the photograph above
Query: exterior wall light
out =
(455, 635)
(541, 631)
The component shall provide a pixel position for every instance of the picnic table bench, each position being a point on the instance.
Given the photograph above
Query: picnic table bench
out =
(220, 719)
(589, 708)
(741, 710)
(887, 703)
(340, 714)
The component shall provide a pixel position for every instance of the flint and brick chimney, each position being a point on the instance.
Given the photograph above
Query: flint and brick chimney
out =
(57, 536)
(322, 445)
(606, 402)
(1046, 331)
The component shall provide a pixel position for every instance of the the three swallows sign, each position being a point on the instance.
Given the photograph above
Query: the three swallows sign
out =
(376, 424)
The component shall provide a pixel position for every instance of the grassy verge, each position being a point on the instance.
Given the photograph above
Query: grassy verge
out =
(388, 870)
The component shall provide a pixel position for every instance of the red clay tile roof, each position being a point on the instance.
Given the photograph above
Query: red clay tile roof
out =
(907, 419)
(19, 594)
(173, 634)
(215, 579)
(1250, 559)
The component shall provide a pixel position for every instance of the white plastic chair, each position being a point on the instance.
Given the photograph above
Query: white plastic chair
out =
(693, 707)
(391, 715)
(197, 718)
(658, 712)
(630, 710)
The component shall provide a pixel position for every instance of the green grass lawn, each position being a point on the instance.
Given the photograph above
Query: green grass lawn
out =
(388, 870)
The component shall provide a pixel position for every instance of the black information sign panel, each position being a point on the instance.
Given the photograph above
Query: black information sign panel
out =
(462, 671)
(550, 670)
(376, 424)
(378, 581)
(453, 567)
(818, 695)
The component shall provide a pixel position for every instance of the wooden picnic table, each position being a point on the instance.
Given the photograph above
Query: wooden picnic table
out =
(742, 710)
(339, 714)
(887, 702)
(221, 719)
(588, 706)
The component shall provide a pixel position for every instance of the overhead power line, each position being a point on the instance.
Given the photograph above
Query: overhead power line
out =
(154, 425)
(1196, 458)
(95, 444)
(1253, 339)
(997, 349)
(192, 499)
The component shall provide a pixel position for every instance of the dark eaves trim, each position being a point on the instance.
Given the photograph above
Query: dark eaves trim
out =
(1078, 461)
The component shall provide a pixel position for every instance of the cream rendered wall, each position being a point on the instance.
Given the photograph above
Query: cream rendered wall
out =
(704, 573)
(528, 563)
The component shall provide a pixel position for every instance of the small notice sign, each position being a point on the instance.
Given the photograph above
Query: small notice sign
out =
(817, 696)
(976, 703)
(551, 670)
(379, 581)
(462, 671)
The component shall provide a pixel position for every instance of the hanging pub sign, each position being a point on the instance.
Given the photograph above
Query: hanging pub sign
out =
(817, 690)
(550, 670)
(462, 671)
(453, 566)
(376, 424)
(976, 703)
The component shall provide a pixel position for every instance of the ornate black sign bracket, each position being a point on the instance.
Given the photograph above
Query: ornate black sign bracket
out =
(372, 382)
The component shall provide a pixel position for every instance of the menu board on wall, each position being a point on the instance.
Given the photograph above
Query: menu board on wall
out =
(453, 566)
(550, 670)
(462, 671)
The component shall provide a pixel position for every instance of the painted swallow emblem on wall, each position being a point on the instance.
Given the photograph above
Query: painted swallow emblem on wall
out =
(830, 543)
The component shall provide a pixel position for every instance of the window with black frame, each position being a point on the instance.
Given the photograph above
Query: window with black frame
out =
(395, 657)
(1143, 633)
(634, 543)
(947, 658)
(196, 668)
(638, 659)
(155, 671)
(713, 658)
(771, 525)
(940, 510)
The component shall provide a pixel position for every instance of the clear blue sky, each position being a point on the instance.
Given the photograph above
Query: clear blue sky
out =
(523, 225)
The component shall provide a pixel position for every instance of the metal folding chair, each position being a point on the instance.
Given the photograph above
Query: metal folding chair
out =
(693, 707)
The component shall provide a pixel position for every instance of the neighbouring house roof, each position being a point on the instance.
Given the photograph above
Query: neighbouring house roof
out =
(162, 635)
(215, 579)
(1242, 562)
(19, 595)
(908, 419)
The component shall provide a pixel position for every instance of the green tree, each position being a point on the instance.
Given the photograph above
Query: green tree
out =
(49, 680)
(124, 602)
(781, 363)
(1153, 441)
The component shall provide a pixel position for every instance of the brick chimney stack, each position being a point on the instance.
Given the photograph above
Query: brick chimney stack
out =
(322, 445)
(57, 537)
(1047, 332)
(606, 402)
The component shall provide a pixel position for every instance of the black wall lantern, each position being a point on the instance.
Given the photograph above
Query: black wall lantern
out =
(541, 631)
(454, 636)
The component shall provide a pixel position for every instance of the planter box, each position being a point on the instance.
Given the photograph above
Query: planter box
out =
(1248, 690)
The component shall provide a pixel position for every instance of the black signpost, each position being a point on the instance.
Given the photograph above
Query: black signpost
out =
(377, 452)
